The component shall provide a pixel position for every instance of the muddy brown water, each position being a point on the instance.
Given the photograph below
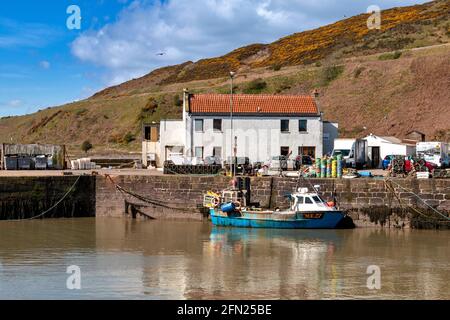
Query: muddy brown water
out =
(125, 259)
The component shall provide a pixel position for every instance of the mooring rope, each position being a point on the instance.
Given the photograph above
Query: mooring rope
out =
(391, 188)
(155, 202)
(402, 205)
(52, 207)
(417, 196)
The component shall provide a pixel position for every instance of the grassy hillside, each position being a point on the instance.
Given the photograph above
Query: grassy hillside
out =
(382, 81)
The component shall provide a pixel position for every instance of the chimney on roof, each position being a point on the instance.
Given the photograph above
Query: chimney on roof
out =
(315, 93)
(186, 99)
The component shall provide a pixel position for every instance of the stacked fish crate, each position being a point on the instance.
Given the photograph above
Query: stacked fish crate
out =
(83, 164)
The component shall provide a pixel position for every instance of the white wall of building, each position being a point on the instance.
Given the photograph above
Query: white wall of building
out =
(150, 149)
(172, 132)
(171, 137)
(387, 147)
(258, 138)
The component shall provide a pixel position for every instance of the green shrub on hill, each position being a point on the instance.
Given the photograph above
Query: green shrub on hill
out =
(86, 146)
(81, 111)
(276, 67)
(148, 110)
(255, 86)
(128, 137)
(390, 56)
(177, 101)
(331, 73)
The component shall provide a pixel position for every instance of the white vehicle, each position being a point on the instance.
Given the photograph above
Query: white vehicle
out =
(179, 159)
(343, 147)
(353, 151)
(434, 152)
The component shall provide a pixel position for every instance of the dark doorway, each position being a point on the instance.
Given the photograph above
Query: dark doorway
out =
(307, 151)
(151, 133)
(284, 151)
(375, 157)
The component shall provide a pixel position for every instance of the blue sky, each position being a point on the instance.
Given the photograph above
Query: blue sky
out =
(43, 63)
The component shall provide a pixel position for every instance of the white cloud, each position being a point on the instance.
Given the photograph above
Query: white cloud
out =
(14, 103)
(9, 107)
(44, 64)
(193, 29)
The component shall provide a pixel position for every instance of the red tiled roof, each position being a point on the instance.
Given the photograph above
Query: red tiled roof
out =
(252, 104)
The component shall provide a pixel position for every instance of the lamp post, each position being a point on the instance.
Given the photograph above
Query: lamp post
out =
(232, 162)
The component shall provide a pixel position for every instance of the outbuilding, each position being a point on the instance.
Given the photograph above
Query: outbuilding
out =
(32, 156)
(381, 146)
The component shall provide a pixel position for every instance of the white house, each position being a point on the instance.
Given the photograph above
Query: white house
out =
(381, 146)
(263, 126)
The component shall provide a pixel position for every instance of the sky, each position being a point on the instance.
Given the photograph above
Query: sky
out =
(45, 63)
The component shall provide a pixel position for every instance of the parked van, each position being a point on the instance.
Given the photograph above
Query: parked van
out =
(353, 151)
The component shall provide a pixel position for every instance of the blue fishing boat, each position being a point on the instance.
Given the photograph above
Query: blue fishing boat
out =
(307, 210)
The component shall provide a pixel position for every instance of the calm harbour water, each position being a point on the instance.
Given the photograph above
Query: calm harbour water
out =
(125, 259)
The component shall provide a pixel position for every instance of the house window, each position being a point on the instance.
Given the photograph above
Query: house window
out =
(151, 133)
(217, 152)
(284, 151)
(173, 150)
(199, 152)
(302, 125)
(307, 151)
(284, 125)
(217, 124)
(198, 125)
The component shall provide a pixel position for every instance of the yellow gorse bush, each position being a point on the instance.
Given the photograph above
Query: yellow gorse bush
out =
(310, 46)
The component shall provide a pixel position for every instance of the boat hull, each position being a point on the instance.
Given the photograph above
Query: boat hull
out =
(327, 220)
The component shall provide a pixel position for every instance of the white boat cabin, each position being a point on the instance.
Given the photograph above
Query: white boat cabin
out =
(308, 201)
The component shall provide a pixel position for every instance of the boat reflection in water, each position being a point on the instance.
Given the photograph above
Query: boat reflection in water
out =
(274, 263)
(288, 238)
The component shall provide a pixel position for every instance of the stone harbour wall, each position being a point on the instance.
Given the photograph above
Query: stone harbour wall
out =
(27, 197)
(370, 201)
